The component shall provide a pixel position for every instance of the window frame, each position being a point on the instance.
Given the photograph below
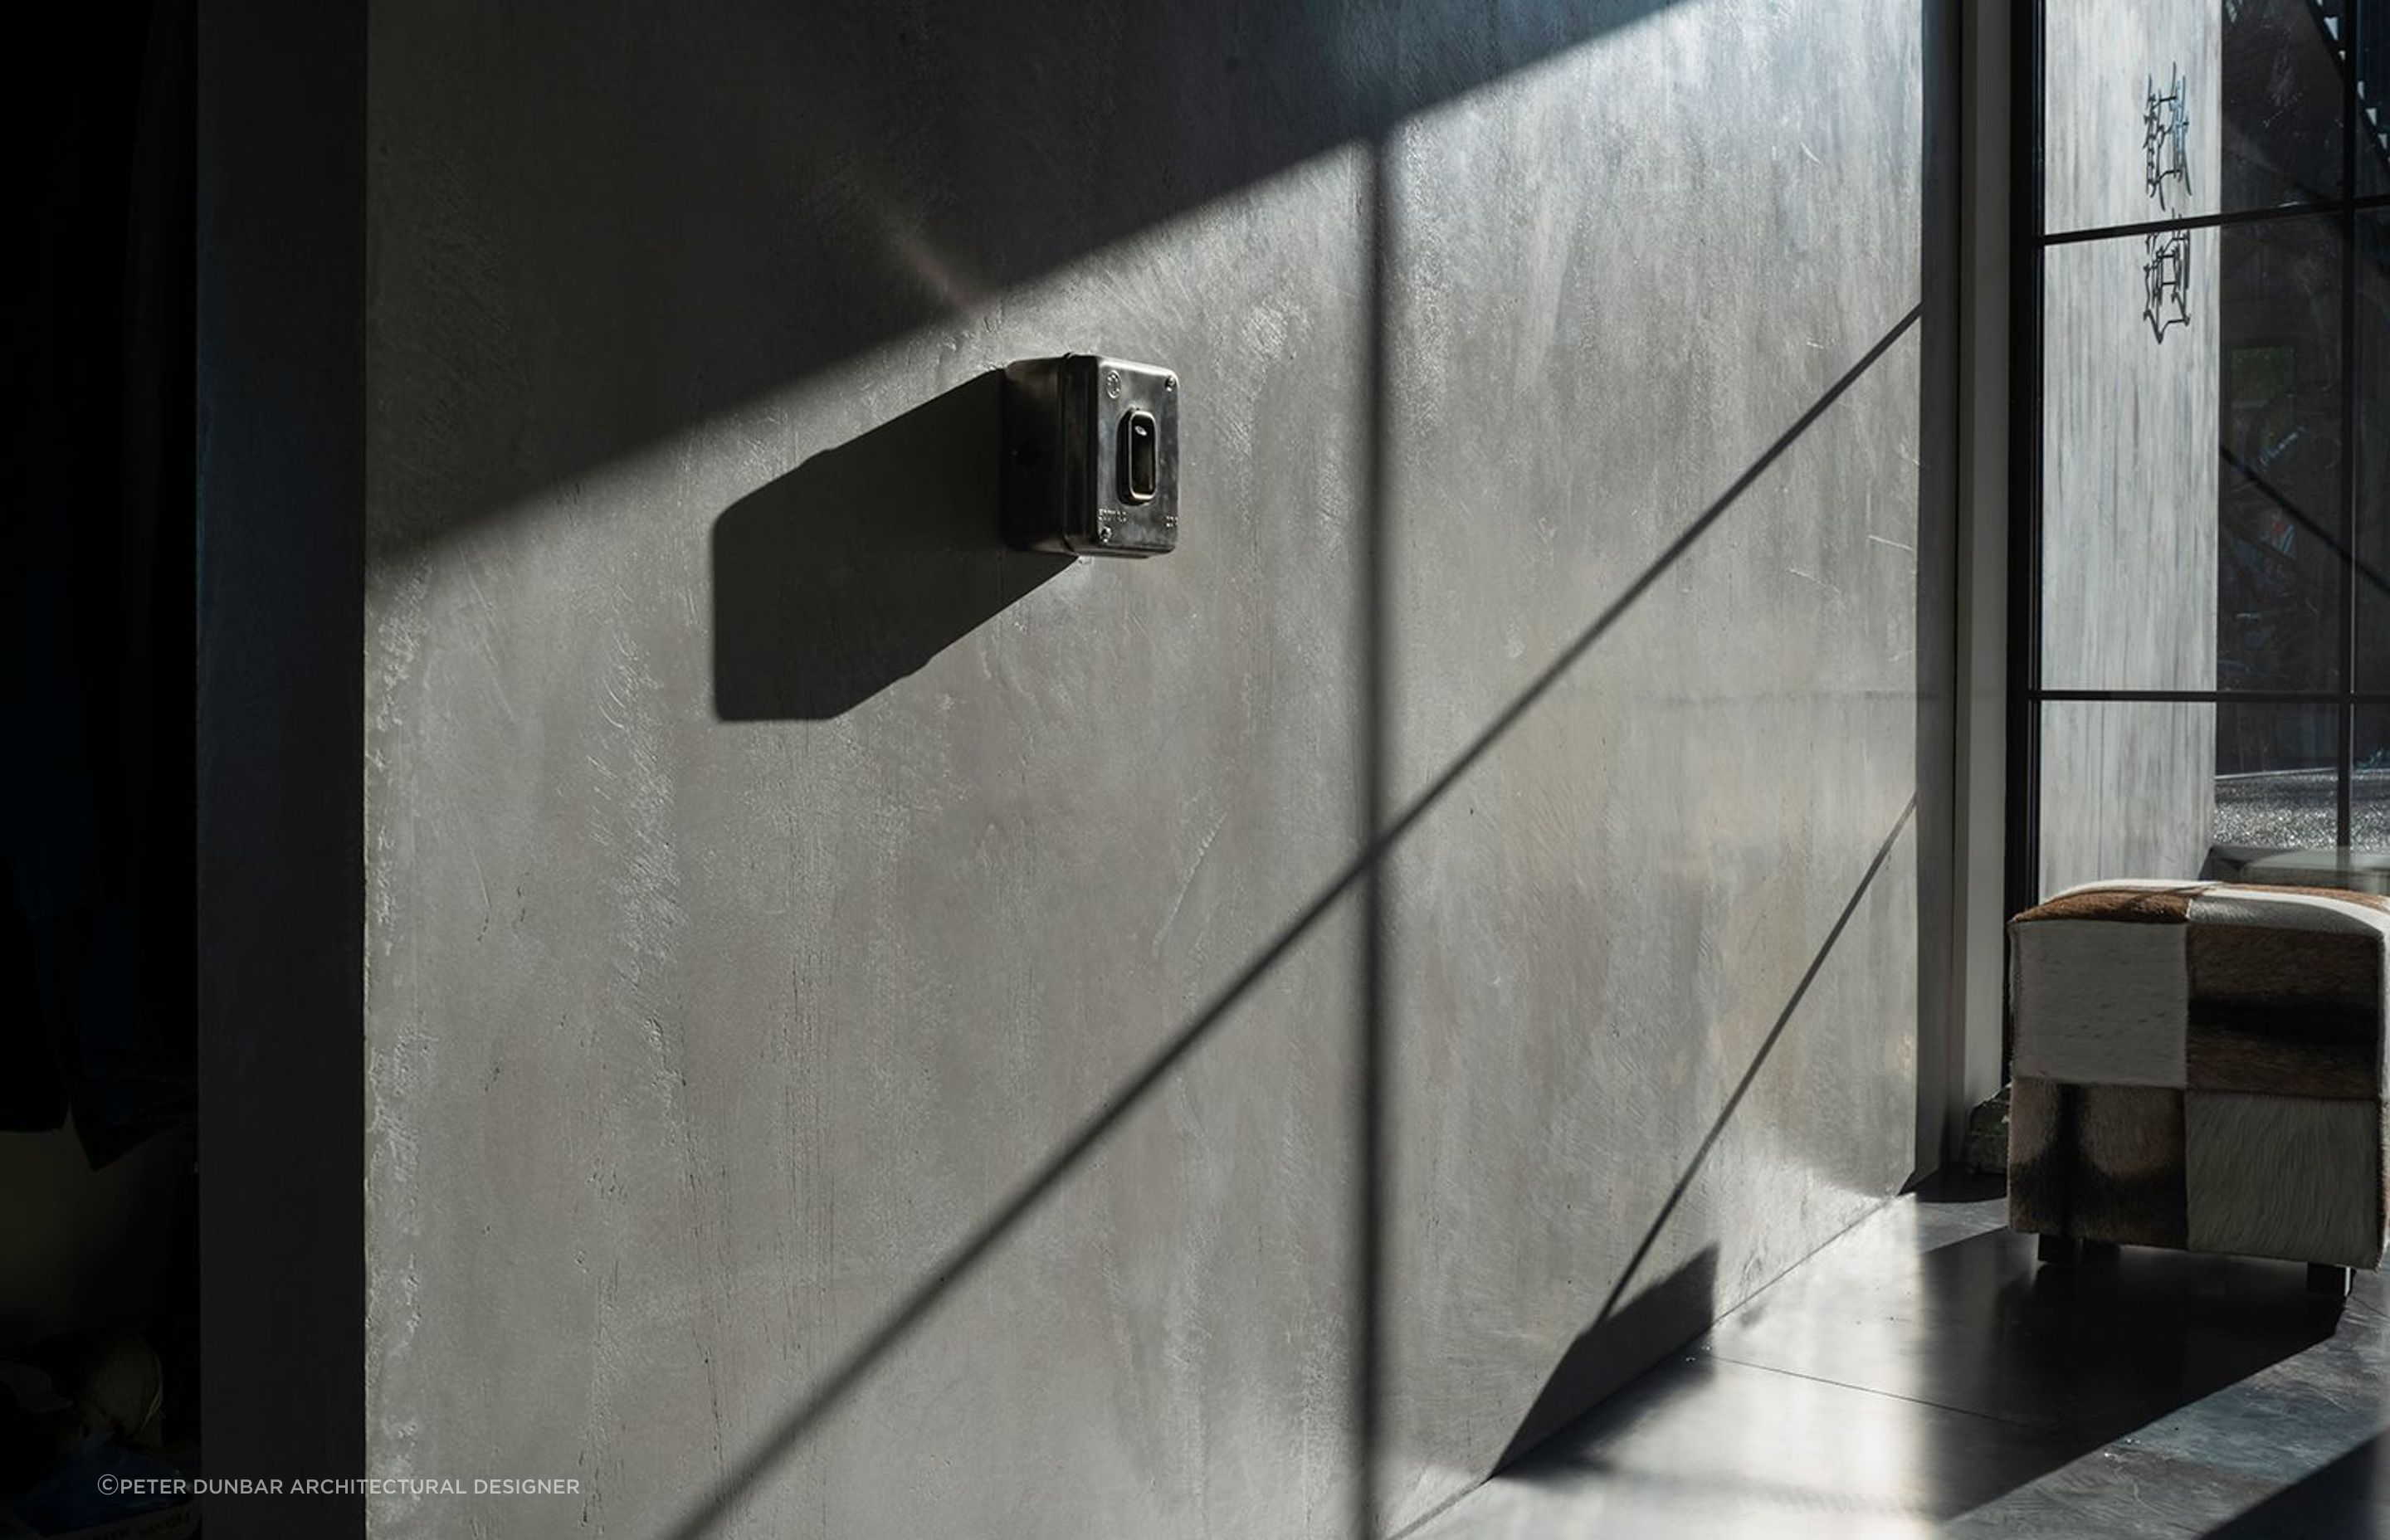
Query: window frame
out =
(2029, 241)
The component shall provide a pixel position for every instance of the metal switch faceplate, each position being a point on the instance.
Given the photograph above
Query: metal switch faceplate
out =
(1091, 456)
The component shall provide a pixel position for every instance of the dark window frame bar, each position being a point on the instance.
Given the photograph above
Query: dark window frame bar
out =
(2352, 126)
(2028, 240)
(2315, 208)
(2226, 698)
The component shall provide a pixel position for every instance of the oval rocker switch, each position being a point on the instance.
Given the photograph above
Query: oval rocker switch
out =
(1139, 449)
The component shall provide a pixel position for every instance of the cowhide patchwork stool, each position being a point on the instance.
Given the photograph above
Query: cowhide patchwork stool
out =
(2200, 1065)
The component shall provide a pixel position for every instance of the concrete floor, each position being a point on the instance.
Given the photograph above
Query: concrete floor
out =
(1921, 1376)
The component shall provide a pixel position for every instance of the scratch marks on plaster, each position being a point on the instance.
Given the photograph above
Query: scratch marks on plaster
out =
(632, 820)
(1194, 869)
(483, 879)
(481, 633)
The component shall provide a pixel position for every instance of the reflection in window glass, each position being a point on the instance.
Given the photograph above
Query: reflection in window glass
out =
(2281, 95)
(2256, 87)
(2128, 789)
(2129, 472)
(2371, 471)
(2108, 68)
(2372, 65)
(2278, 577)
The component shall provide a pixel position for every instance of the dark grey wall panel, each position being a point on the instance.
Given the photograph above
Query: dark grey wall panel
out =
(280, 470)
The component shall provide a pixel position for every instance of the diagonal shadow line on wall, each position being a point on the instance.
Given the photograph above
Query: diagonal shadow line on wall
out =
(1559, 1405)
(1742, 1088)
(1371, 1071)
(959, 1260)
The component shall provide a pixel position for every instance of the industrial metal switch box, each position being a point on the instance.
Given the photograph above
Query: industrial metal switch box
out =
(1091, 456)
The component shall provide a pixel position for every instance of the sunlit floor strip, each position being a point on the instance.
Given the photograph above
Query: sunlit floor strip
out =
(1923, 1377)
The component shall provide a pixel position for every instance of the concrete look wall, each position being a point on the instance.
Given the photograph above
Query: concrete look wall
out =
(2129, 420)
(873, 1035)
(1622, 277)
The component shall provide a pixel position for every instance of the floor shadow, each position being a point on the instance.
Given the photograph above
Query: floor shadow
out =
(2348, 1499)
(1950, 1381)
(2065, 1362)
(1958, 1185)
(2103, 1349)
(865, 562)
(1618, 1347)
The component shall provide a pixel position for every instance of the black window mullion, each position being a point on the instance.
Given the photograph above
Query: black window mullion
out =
(2307, 210)
(2352, 125)
(2025, 138)
(2221, 697)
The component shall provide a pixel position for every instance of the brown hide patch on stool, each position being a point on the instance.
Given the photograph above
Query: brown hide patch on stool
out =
(2038, 1163)
(2273, 1063)
(2307, 983)
(2285, 1012)
(2128, 1165)
(2102, 1162)
(2126, 906)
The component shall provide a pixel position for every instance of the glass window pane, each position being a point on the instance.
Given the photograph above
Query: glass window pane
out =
(2280, 576)
(2282, 102)
(2373, 468)
(2130, 127)
(2129, 467)
(2369, 787)
(2371, 30)
(2128, 789)
(2276, 783)
(2193, 533)
(2172, 790)
(2161, 109)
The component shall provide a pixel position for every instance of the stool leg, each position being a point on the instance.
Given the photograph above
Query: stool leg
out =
(2330, 1282)
(2060, 1251)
